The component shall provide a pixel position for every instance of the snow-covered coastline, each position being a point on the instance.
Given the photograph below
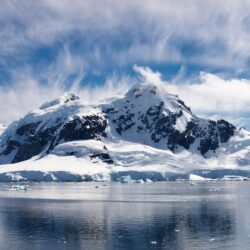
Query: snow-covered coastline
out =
(133, 164)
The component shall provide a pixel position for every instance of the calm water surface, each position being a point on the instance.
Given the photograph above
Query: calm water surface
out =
(126, 216)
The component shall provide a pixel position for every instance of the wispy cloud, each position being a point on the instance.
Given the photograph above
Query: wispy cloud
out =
(211, 97)
(200, 32)
(211, 93)
(215, 94)
(109, 35)
(29, 91)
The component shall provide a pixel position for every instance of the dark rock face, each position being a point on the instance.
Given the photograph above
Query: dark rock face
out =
(36, 139)
(34, 143)
(226, 130)
(11, 146)
(105, 157)
(124, 122)
(152, 115)
(70, 97)
(90, 127)
(160, 127)
(210, 135)
(27, 129)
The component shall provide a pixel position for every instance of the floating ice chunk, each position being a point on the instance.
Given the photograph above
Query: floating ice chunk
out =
(140, 181)
(214, 189)
(18, 188)
(194, 177)
(181, 180)
(234, 178)
(125, 179)
(193, 184)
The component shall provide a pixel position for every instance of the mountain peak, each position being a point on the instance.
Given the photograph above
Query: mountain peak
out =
(142, 89)
(65, 98)
(69, 96)
(148, 94)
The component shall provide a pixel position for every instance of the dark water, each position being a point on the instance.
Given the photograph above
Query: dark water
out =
(126, 216)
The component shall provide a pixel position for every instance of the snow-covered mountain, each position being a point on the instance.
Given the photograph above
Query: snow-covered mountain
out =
(149, 115)
(147, 131)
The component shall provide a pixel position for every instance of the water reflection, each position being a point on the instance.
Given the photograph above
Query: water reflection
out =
(48, 224)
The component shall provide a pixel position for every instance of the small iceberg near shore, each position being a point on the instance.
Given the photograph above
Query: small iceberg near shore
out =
(234, 178)
(194, 177)
(128, 179)
(18, 188)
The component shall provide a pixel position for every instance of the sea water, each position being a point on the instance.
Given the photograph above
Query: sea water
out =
(161, 215)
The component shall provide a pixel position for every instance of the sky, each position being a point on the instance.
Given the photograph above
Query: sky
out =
(98, 48)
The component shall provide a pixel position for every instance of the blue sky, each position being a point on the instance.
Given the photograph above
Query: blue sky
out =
(50, 46)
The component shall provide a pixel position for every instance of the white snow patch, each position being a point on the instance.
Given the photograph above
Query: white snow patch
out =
(193, 177)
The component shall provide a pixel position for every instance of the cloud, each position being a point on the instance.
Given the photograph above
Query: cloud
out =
(210, 94)
(238, 119)
(30, 88)
(211, 97)
(148, 75)
(29, 91)
(109, 36)
(23, 97)
(201, 32)
(215, 94)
